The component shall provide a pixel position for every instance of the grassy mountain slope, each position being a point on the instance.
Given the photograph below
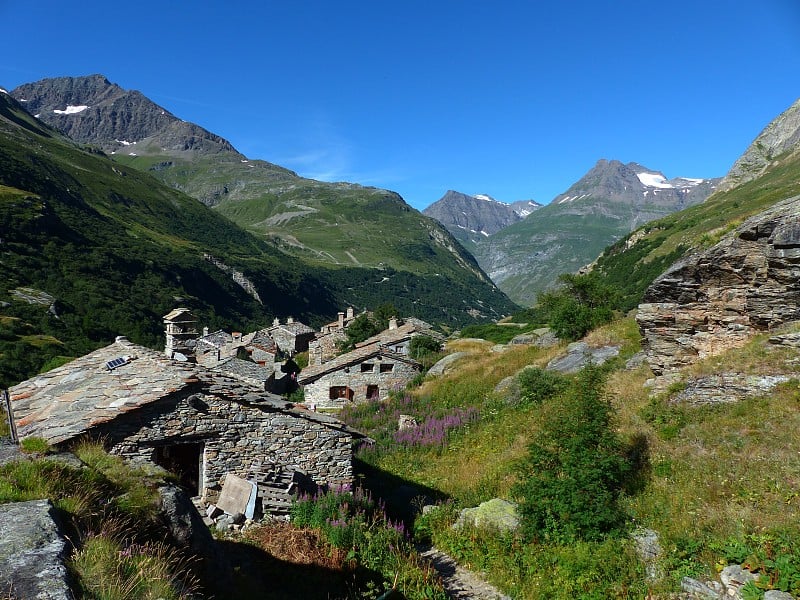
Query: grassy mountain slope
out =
(92, 249)
(323, 223)
(717, 483)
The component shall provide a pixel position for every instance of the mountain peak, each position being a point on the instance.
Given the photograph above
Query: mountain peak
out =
(471, 217)
(92, 110)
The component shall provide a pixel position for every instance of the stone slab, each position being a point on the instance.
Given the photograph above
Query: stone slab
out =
(235, 494)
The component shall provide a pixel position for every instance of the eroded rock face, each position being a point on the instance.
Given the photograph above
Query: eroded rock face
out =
(715, 300)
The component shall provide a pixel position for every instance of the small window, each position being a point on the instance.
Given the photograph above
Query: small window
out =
(338, 392)
(367, 367)
(373, 393)
(387, 367)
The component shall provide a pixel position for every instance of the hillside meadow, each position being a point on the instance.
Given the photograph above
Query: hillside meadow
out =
(717, 483)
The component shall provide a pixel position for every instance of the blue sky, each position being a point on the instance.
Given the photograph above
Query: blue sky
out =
(517, 99)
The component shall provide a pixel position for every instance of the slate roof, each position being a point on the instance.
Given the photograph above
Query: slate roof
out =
(295, 328)
(246, 370)
(262, 340)
(62, 403)
(179, 312)
(217, 339)
(65, 402)
(356, 356)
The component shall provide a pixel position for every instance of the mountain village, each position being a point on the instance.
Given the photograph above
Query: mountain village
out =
(611, 414)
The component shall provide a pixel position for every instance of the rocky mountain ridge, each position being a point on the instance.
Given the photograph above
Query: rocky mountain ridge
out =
(780, 137)
(470, 217)
(92, 110)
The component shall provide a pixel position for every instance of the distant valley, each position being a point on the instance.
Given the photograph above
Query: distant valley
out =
(523, 253)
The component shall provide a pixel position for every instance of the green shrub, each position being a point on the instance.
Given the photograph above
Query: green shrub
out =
(537, 384)
(423, 345)
(575, 470)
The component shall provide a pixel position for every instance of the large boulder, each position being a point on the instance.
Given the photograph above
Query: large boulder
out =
(580, 355)
(446, 363)
(32, 552)
(495, 514)
(709, 302)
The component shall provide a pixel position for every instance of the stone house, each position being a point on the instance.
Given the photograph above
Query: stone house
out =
(262, 348)
(291, 337)
(198, 423)
(340, 324)
(325, 347)
(369, 372)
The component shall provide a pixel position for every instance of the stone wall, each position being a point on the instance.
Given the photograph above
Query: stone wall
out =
(359, 378)
(715, 300)
(234, 435)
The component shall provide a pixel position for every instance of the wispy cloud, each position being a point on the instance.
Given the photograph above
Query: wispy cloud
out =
(327, 155)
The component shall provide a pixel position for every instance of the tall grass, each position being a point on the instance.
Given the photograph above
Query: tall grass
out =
(113, 558)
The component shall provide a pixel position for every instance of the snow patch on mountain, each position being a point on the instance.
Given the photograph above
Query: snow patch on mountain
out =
(654, 180)
(71, 110)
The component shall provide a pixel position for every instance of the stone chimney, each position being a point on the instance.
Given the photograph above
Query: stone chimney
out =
(341, 320)
(393, 323)
(349, 313)
(205, 331)
(237, 336)
(276, 321)
(289, 320)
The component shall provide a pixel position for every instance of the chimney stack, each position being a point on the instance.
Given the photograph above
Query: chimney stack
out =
(393, 323)
(341, 320)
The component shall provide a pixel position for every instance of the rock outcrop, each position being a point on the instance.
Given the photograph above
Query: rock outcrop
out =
(32, 551)
(709, 302)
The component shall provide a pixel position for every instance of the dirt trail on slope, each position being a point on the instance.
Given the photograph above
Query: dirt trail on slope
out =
(459, 583)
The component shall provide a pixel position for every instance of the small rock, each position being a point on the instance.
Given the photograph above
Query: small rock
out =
(699, 589)
(406, 422)
(579, 355)
(777, 595)
(734, 577)
(635, 361)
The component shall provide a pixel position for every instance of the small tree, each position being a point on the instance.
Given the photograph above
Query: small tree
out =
(582, 303)
(421, 346)
(361, 328)
(574, 473)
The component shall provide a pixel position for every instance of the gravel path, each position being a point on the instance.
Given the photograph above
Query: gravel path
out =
(460, 583)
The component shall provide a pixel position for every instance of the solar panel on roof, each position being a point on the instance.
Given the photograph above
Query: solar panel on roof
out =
(117, 362)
